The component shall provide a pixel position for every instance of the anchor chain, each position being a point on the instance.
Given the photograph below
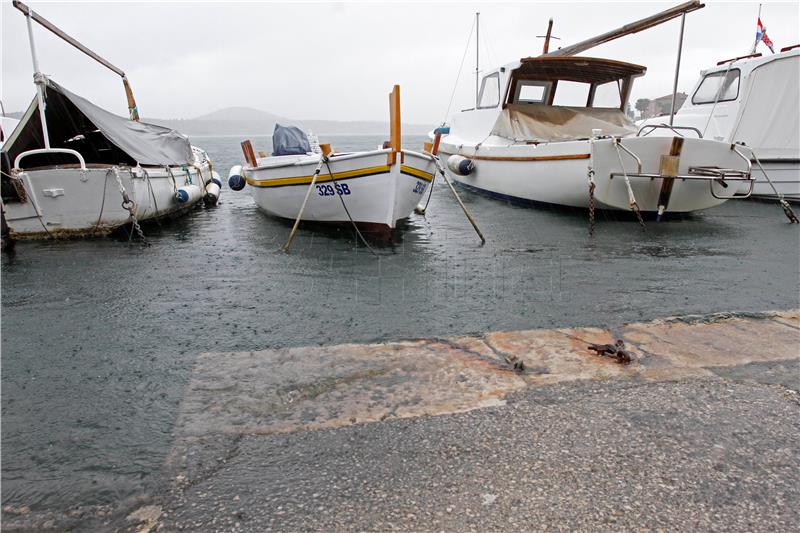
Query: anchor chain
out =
(130, 206)
(635, 208)
(787, 209)
(591, 202)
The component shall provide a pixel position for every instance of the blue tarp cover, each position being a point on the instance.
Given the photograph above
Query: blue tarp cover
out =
(289, 140)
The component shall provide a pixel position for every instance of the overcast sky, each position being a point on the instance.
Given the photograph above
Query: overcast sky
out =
(339, 60)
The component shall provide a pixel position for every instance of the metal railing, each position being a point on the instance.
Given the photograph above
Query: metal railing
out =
(50, 151)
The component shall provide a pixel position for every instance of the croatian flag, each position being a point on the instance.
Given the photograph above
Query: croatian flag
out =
(761, 35)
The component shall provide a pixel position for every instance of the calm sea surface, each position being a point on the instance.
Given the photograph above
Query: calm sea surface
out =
(99, 337)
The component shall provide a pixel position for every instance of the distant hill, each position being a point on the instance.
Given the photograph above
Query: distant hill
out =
(250, 121)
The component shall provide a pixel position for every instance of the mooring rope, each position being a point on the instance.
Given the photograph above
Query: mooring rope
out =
(102, 203)
(341, 198)
(787, 209)
(631, 197)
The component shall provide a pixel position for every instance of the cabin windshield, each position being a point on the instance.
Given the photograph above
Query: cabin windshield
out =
(717, 87)
(572, 82)
(566, 98)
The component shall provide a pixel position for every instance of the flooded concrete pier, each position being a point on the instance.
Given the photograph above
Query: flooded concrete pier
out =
(697, 430)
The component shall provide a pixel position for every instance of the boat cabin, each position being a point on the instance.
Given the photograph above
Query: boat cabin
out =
(550, 98)
(573, 81)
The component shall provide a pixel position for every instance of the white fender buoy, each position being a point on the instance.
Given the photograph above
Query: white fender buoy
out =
(236, 179)
(216, 179)
(212, 193)
(188, 194)
(460, 165)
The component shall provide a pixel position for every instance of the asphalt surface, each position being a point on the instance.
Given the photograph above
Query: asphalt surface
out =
(711, 453)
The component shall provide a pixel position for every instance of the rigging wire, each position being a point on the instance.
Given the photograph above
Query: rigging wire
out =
(460, 68)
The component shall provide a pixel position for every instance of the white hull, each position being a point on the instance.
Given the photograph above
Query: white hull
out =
(557, 172)
(373, 192)
(65, 202)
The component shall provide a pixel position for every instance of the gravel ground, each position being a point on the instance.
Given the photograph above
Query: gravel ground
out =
(711, 453)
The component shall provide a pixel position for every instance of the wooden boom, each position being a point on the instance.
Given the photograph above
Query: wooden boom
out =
(28, 12)
(628, 29)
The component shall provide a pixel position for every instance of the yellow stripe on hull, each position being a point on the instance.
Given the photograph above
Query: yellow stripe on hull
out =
(323, 177)
(421, 174)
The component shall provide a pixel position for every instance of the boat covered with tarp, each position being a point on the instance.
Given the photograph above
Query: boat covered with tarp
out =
(72, 168)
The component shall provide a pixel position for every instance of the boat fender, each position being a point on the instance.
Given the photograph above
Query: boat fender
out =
(212, 193)
(236, 179)
(444, 130)
(216, 179)
(460, 165)
(188, 194)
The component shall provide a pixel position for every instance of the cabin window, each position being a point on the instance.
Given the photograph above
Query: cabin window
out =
(572, 93)
(531, 92)
(490, 91)
(608, 95)
(717, 87)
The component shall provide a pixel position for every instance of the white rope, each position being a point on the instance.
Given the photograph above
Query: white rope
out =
(631, 197)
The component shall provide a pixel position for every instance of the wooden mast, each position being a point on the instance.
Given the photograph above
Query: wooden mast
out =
(547, 37)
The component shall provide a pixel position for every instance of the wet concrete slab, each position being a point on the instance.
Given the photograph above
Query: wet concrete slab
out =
(278, 391)
(306, 388)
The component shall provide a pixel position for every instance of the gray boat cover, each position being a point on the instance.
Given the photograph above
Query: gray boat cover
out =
(289, 140)
(147, 144)
(539, 122)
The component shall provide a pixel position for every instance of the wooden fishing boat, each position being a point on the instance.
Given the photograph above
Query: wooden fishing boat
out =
(71, 168)
(373, 190)
(552, 129)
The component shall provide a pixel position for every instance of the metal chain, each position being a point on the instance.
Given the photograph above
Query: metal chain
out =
(591, 202)
(130, 206)
(635, 208)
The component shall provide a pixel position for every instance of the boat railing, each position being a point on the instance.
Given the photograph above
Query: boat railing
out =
(712, 175)
(37, 151)
(630, 153)
(676, 129)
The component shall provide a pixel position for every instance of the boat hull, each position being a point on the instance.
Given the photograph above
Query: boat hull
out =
(362, 187)
(69, 202)
(557, 173)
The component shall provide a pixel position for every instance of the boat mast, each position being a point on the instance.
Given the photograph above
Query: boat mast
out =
(677, 71)
(477, 53)
(39, 81)
(31, 15)
(547, 37)
(628, 29)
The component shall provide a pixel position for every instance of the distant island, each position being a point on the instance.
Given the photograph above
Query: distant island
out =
(250, 121)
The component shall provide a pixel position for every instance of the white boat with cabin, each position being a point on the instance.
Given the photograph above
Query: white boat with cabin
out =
(552, 129)
(753, 100)
(70, 168)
